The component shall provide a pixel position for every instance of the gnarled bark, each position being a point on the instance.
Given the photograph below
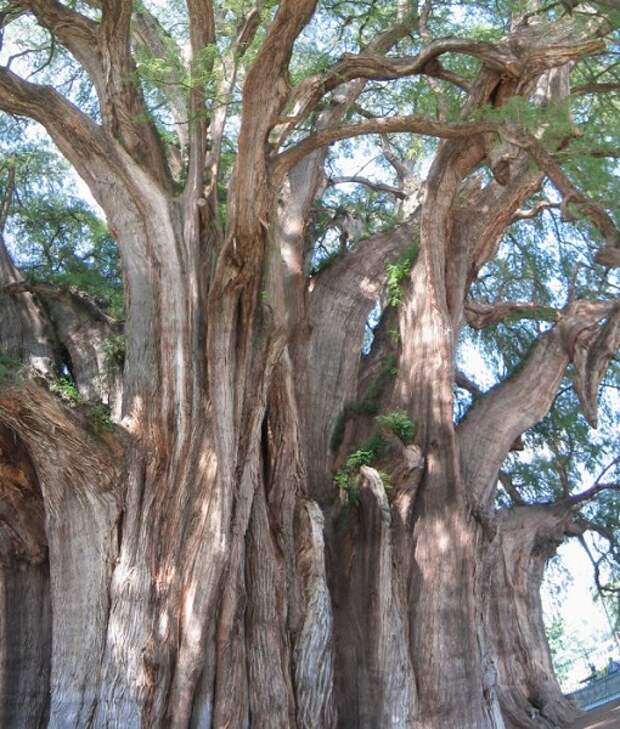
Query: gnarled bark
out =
(193, 565)
(513, 568)
(26, 616)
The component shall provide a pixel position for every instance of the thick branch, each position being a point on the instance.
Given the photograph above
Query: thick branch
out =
(592, 492)
(410, 124)
(103, 51)
(595, 88)
(25, 333)
(480, 315)
(461, 380)
(608, 256)
(202, 36)
(265, 92)
(77, 33)
(361, 273)
(245, 35)
(123, 110)
(497, 419)
(85, 331)
(500, 57)
(592, 355)
(306, 95)
(80, 140)
(61, 440)
(339, 300)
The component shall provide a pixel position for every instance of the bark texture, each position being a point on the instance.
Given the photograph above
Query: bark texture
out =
(528, 691)
(193, 566)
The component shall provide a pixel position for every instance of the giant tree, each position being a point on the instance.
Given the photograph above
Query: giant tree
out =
(288, 521)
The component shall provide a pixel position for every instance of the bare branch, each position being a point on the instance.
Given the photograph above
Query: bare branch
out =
(411, 124)
(595, 88)
(480, 315)
(534, 211)
(376, 186)
(461, 380)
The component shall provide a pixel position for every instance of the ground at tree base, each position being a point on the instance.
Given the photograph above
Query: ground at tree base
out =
(605, 717)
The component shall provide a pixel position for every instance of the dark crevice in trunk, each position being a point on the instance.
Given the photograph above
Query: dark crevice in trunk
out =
(26, 610)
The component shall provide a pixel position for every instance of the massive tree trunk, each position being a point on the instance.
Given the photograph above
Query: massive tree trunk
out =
(25, 625)
(526, 537)
(194, 566)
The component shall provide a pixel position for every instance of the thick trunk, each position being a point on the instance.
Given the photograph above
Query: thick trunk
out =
(376, 683)
(175, 598)
(513, 567)
(25, 334)
(181, 577)
(25, 615)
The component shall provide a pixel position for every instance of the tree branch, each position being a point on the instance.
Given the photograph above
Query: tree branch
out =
(376, 186)
(303, 99)
(245, 35)
(530, 213)
(342, 294)
(590, 493)
(461, 380)
(265, 93)
(76, 32)
(103, 51)
(377, 67)
(411, 124)
(593, 351)
(202, 35)
(506, 481)
(505, 412)
(597, 215)
(7, 200)
(480, 315)
(362, 272)
(150, 35)
(122, 107)
(76, 135)
(60, 439)
(499, 57)
(595, 88)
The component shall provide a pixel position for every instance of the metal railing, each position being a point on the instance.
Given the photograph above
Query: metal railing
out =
(598, 691)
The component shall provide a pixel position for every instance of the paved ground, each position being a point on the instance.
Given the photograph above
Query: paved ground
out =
(605, 717)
